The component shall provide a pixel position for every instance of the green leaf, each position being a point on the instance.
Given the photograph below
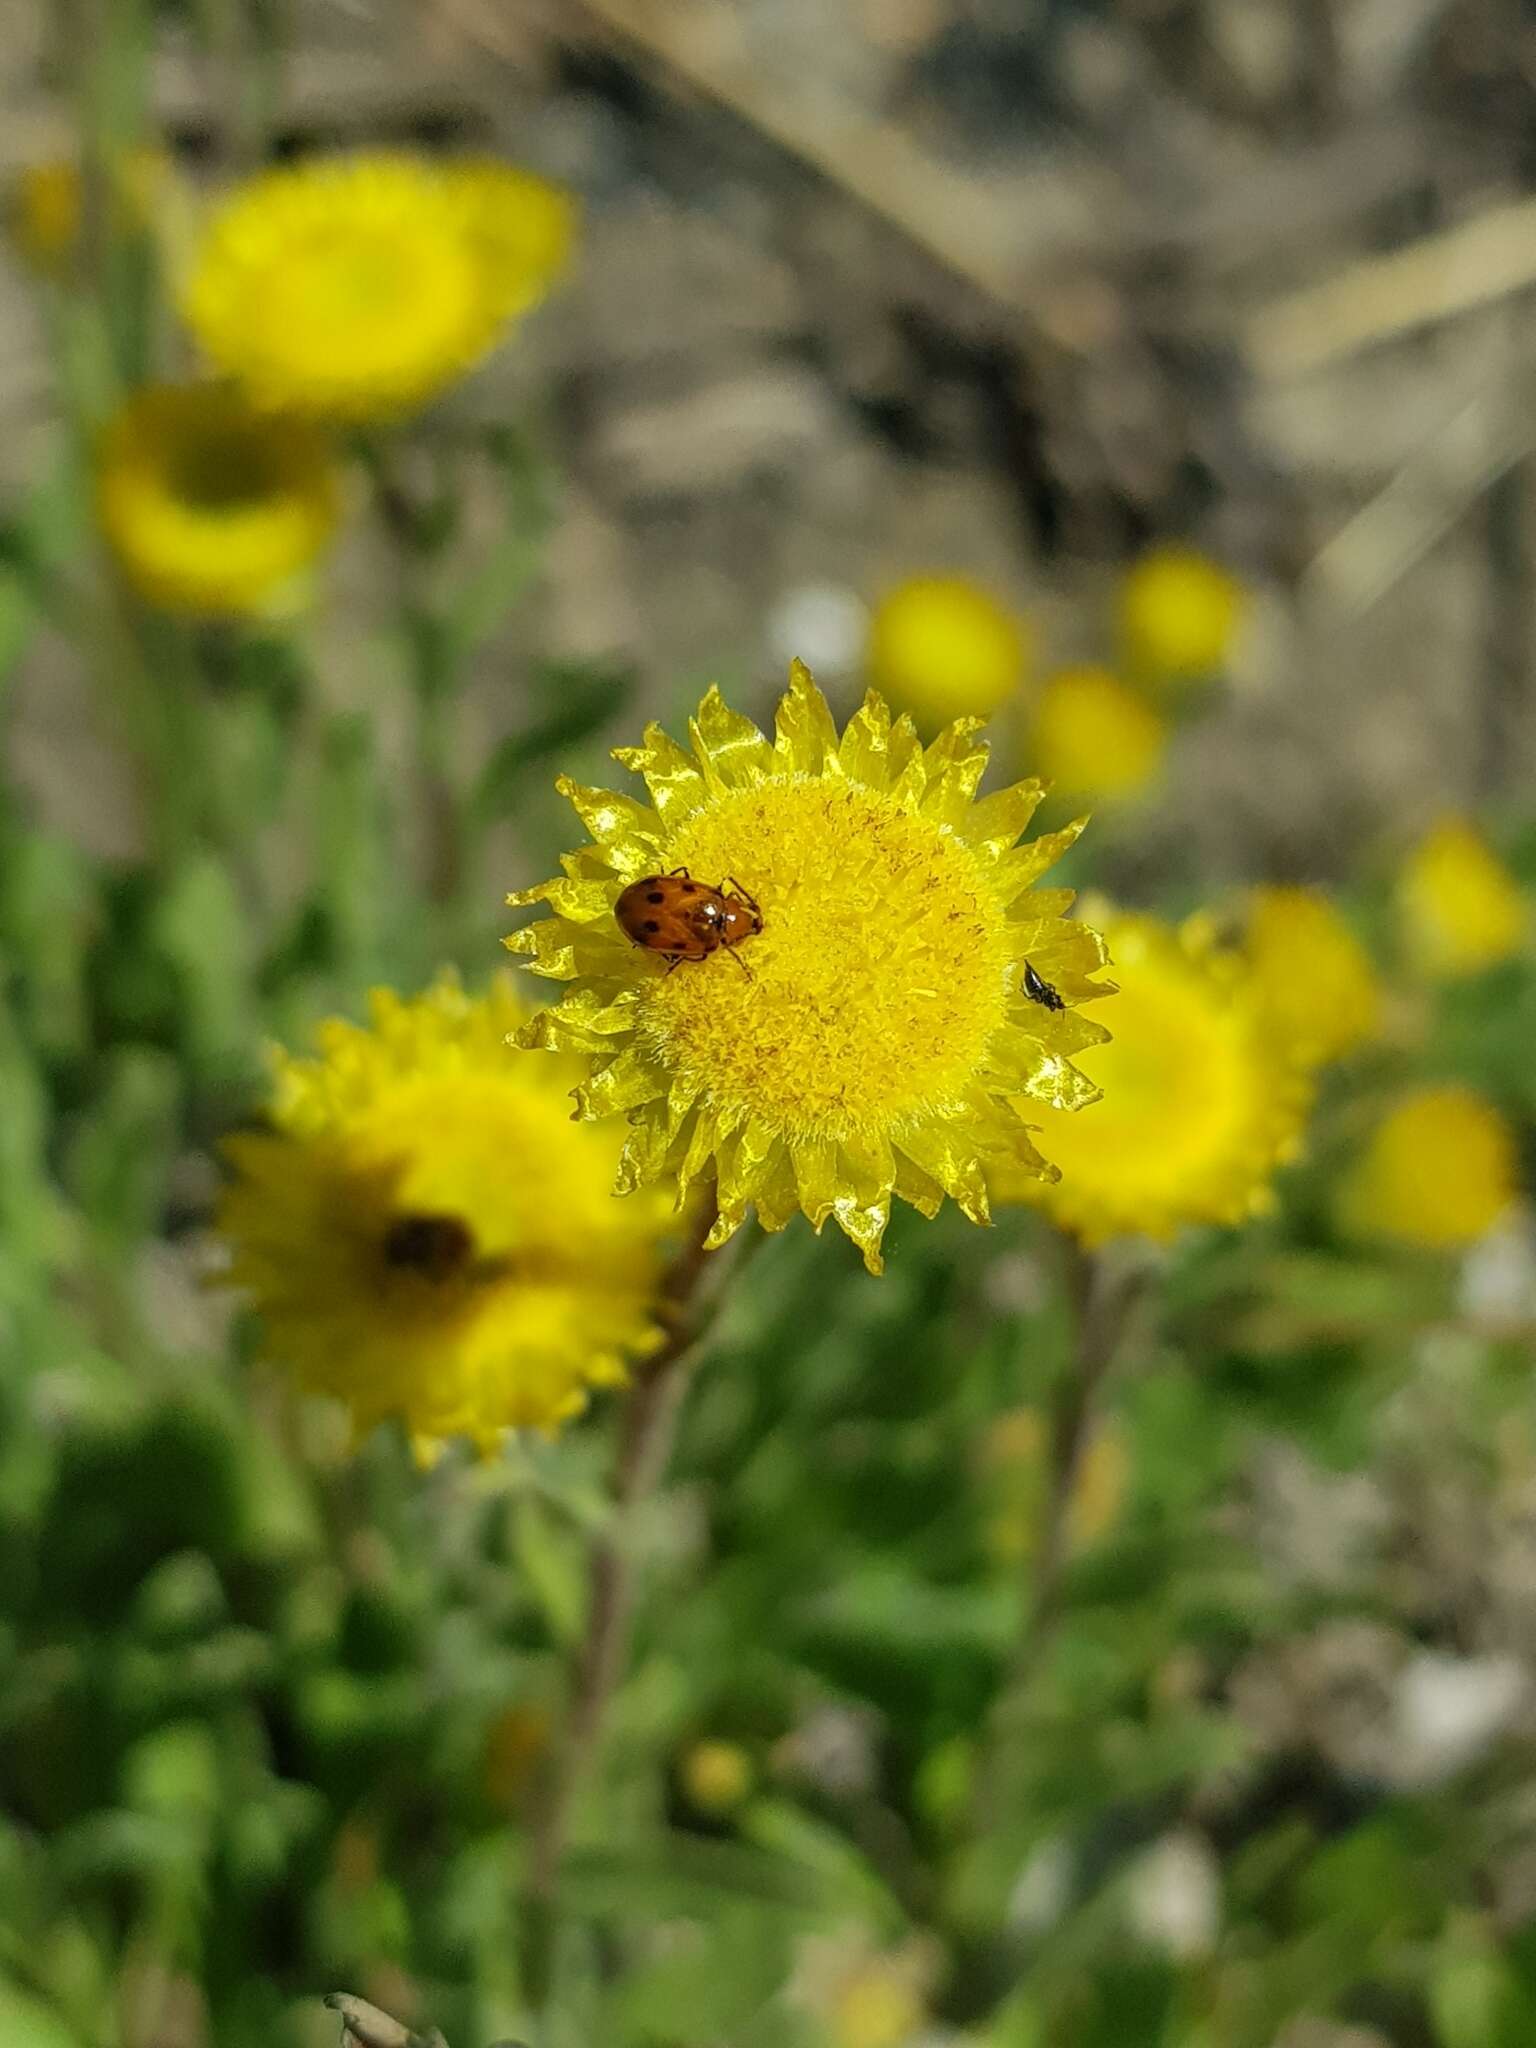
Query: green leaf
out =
(119, 1161)
(25, 2022)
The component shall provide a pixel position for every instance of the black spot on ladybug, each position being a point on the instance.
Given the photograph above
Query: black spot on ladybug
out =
(652, 924)
(690, 888)
(654, 896)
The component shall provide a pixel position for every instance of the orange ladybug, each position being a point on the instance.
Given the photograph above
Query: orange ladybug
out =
(687, 920)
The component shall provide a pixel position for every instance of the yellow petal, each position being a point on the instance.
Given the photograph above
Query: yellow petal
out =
(629, 832)
(730, 749)
(804, 734)
(672, 776)
(624, 1083)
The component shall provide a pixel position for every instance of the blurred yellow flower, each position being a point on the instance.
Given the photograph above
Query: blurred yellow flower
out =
(1013, 1455)
(1179, 614)
(941, 648)
(871, 1039)
(1094, 737)
(1311, 973)
(716, 1777)
(357, 287)
(1460, 909)
(45, 204)
(210, 507)
(1439, 1170)
(877, 2006)
(1200, 1103)
(427, 1235)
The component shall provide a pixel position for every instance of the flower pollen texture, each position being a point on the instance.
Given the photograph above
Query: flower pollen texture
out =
(874, 1038)
(357, 287)
(426, 1234)
(1201, 1101)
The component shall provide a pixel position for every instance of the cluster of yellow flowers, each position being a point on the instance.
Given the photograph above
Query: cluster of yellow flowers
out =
(942, 647)
(907, 1023)
(335, 292)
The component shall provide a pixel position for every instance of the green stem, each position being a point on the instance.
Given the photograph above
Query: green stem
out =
(433, 674)
(1100, 1299)
(646, 1432)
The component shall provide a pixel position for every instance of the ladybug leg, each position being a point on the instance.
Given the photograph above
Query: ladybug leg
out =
(732, 954)
(678, 871)
(745, 894)
(674, 961)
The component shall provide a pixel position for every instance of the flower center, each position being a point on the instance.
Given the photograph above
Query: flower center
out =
(373, 296)
(438, 1248)
(218, 466)
(877, 983)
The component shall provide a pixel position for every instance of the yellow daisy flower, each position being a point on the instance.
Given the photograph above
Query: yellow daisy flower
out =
(1094, 737)
(869, 1039)
(358, 287)
(1460, 909)
(1438, 1171)
(46, 204)
(428, 1236)
(210, 507)
(1179, 614)
(1311, 973)
(941, 648)
(1200, 1102)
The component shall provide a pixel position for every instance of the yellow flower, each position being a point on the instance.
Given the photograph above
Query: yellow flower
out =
(1094, 737)
(716, 1777)
(210, 507)
(357, 287)
(46, 204)
(1311, 973)
(427, 1235)
(868, 1041)
(1460, 908)
(1179, 613)
(1200, 1103)
(941, 648)
(878, 2006)
(1438, 1171)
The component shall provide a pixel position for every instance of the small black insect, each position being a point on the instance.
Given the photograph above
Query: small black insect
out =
(1040, 991)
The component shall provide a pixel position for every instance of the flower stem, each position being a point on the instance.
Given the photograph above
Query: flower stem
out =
(1100, 1298)
(647, 1429)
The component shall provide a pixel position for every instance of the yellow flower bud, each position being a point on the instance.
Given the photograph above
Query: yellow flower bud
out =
(1179, 614)
(1093, 737)
(1460, 909)
(1438, 1171)
(942, 648)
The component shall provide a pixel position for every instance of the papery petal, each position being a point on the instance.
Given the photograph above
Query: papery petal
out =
(672, 776)
(629, 832)
(730, 749)
(805, 736)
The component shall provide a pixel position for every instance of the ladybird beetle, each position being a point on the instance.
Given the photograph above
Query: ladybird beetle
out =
(1040, 991)
(687, 920)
